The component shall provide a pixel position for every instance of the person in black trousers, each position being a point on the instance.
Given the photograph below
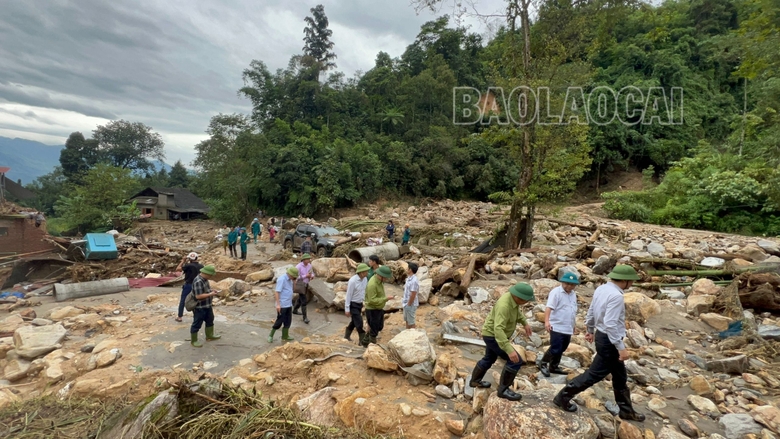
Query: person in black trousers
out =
(606, 323)
(191, 268)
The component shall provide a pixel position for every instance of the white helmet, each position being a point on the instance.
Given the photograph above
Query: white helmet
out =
(192, 256)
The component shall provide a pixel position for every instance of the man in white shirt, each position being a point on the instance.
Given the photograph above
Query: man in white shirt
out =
(559, 320)
(606, 323)
(353, 302)
(411, 301)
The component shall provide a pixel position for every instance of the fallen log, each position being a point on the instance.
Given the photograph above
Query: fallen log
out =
(683, 263)
(581, 252)
(459, 339)
(658, 285)
(466, 280)
(89, 289)
(590, 227)
(518, 251)
(707, 273)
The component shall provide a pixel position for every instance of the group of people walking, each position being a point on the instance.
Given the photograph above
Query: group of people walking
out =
(605, 324)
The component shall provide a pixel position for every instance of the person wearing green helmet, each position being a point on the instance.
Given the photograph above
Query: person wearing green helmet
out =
(283, 294)
(243, 240)
(203, 312)
(497, 332)
(375, 303)
(559, 318)
(606, 323)
(353, 302)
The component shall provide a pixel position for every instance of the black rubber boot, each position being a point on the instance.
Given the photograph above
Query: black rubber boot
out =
(544, 368)
(295, 309)
(563, 398)
(371, 339)
(507, 379)
(363, 339)
(476, 378)
(623, 400)
(348, 334)
(555, 367)
(303, 311)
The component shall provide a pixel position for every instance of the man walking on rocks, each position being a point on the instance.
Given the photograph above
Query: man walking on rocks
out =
(203, 312)
(191, 268)
(559, 319)
(353, 303)
(305, 274)
(606, 323)
(284, 293)
(497, 333)
(375, 304)
(411, 301)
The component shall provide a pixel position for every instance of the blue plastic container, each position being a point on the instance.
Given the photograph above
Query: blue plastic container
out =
(100, 246)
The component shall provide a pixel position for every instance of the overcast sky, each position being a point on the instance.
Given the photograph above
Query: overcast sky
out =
(72, 65)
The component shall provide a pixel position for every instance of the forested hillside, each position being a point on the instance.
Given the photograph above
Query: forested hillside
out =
(313, 139)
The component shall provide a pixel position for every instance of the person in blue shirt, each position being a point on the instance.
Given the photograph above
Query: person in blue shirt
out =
(284, 295)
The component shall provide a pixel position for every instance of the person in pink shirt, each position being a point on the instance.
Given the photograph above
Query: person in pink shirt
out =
(305, 274)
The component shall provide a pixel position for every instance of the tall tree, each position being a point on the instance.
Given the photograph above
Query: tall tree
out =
(78, 156)
(128, 145)
(178, 177)
(318, 45)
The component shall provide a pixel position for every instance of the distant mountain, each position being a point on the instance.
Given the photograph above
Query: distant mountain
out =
(29, 159)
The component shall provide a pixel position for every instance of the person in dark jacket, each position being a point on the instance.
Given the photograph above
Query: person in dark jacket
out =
(390, 230)
(190, 267)
(203, 312)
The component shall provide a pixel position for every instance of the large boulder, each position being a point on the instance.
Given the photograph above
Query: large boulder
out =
(737, 425)
(753, 252)
(703, 287)
(445, 372)
(699, 304)
(582, 354)
(768, 415)
(769, 246)
(413, 347)
(11, 323)
(263, 275)
(36, 341)
(64, 312)
(736, 365)
(281, 271)
(426, 285)
(331, 269)
(639, 307)
(376, 358)
(232, 286)
(536, 419)
(715, 320)
(319, 407)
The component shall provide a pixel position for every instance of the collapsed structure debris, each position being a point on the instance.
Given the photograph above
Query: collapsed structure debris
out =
(701, 331)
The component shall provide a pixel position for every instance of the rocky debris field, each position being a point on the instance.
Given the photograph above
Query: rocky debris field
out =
(703, 333)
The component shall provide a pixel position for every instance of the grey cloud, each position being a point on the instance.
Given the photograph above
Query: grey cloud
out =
(41, 98)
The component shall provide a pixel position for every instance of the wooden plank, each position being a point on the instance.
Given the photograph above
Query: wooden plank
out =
(469, 340)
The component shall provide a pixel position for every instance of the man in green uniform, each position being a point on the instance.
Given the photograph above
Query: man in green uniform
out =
(255, 229)
(375, 303)
(242, 242)
(497, 333)
(373, 264)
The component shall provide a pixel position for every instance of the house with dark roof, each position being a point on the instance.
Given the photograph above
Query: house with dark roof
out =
(12, 190)
(170, 203)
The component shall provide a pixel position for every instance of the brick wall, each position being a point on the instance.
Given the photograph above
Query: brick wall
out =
(19, 235)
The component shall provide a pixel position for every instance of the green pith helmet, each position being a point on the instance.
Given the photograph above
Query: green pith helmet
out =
(292, 271)
(623, 272)
(306, 256)
(361, 268)
(385, 272)
(522, 291)
(209, 269)
(570, 278)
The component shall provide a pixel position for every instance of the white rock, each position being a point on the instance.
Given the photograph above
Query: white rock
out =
(712, 262)
(412, 346)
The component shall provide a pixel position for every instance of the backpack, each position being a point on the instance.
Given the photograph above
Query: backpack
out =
(190, 302)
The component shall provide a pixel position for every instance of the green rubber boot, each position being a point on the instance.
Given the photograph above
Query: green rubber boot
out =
(210, 334)
(286, 335)
(194, 340)
(271, 336)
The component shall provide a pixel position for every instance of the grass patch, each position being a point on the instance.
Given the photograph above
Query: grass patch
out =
(47, 417)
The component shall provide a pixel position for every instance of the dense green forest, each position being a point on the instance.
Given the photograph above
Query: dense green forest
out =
(314, 139)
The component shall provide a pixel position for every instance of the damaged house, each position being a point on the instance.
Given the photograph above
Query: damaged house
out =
(170, 203)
